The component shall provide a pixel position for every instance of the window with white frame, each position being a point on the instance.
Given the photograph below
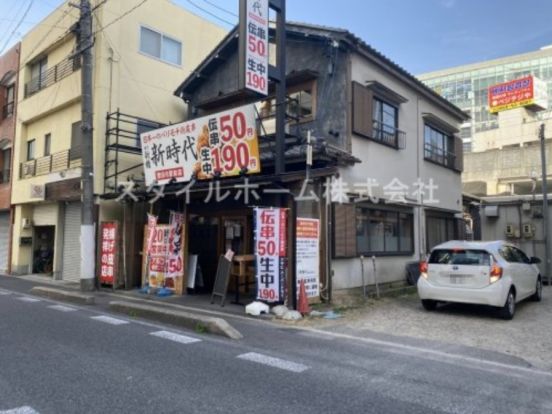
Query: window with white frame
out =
(160, 46)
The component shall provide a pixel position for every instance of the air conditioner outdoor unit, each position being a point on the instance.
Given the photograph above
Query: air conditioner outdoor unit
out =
(27, 169)
(528, 230)
(512, 231)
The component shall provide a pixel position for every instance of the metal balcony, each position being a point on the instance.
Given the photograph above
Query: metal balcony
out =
(52, 75)
(58, 161)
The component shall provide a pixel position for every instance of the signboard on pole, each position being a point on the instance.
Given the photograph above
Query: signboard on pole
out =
(308, 256)
(526, 91)
(254, 45)
(271, 253)
(109, 256)
(223, 144)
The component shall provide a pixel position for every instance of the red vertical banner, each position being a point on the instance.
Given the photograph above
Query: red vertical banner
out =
(175, 259)
(109, 249)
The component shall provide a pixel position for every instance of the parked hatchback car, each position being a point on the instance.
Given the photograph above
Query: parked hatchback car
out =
(493, 273)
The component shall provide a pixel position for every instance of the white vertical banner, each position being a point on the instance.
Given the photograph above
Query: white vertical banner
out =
(307, 246)
(256, 46)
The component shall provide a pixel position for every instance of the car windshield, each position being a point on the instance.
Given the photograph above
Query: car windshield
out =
(460, 257)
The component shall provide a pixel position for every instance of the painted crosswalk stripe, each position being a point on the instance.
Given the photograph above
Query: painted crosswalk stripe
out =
(109, 320)
(182, 339)
(28, 299)
(20, 410)
(62, 308)
(273, 362)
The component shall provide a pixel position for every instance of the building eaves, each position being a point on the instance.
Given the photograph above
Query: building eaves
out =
(344, 35)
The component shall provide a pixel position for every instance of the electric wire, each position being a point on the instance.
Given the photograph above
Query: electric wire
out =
(15, 18)
(211, 14)
(120, 17)
(216, 6)
(17, 25)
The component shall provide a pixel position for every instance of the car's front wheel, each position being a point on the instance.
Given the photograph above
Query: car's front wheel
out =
(428, 304)
(509, 309)
(537, 296)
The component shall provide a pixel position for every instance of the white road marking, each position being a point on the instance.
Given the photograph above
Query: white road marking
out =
(20, 410)
(437, 355)
(62, 308)
(182, 339)
(4, 293)
(109, 320)
(273, 362)
(28, 299)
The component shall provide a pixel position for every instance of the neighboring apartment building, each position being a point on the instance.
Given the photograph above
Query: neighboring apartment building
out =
(369, 119)
(467, 86)
(9, 74)
(141, 52)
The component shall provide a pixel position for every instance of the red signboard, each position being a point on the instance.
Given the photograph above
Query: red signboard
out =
(108, 252)
(512, 94)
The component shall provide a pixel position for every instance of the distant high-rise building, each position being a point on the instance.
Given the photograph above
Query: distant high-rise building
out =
(467, 86)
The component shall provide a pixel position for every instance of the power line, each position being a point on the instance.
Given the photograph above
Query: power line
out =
(15, 17)
(17, 26)
(211, 14)
(119, 18)
(222, 9)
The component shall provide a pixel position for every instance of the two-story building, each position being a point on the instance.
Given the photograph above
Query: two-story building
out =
(385, 176)
(9, 74)
(141, 51)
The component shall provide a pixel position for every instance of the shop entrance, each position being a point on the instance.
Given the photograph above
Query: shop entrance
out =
(213, 234)
(43, 249)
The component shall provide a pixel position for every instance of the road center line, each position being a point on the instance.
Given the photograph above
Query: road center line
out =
(273, 362)
(28, 299)
(183, 339)
(20, 410)
(109, 320)
(62, 308)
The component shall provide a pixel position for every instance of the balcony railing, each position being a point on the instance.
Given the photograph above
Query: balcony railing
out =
(52, 75)
(58, 161)
(388, 135)
(439, 155)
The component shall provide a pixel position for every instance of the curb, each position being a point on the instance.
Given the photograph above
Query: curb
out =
(188, 320)
(63, 295)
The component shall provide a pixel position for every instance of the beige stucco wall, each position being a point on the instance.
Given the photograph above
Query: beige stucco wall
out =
(123, 78)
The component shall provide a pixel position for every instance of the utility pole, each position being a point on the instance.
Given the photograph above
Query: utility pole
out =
(87, 234)
(545, 204)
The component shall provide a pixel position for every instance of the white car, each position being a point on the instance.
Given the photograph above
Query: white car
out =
(493, 273)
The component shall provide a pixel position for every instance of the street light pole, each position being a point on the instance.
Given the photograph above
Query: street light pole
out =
(545, 203)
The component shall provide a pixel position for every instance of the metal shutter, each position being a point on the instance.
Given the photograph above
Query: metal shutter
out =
(71, 242)
(4, 241)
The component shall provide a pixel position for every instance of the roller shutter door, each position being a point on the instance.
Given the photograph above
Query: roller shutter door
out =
(71, 242)
(4, 241)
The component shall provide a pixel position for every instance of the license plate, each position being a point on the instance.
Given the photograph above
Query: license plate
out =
(459, 279)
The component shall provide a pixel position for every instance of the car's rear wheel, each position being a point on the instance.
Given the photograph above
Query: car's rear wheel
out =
(428, 304)
(509, 309)
(537, 296)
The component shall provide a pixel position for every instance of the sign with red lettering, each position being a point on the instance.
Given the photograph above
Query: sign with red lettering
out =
(108, 252)
(256, 45)
(526, 91)
(308, 255)
(271, 253)
(220, 145)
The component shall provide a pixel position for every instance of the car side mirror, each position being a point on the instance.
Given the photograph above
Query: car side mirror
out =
(534, 260)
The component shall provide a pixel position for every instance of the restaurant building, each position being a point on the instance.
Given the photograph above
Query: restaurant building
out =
(383, 179)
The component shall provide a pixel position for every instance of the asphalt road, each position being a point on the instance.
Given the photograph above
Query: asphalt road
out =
(56, 358)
